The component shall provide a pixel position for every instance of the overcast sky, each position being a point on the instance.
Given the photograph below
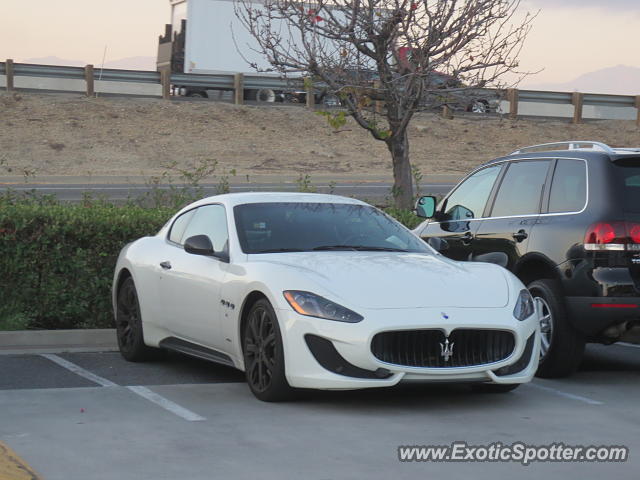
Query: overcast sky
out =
(570, 37)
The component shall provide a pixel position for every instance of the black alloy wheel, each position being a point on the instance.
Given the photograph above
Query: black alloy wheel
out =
(263, 354)
(129, 325)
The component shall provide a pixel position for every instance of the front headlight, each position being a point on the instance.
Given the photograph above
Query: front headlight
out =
(524, 306)
(312, 305)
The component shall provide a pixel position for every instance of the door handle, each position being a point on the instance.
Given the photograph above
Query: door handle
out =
(520, 235)
(166, 265)
(467, 238)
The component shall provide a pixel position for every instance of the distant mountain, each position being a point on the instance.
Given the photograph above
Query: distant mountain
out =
(55, 61)
(618, 80)
(129, 63)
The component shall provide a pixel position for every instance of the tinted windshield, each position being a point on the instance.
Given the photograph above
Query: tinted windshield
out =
(287, 227)
(628, 173)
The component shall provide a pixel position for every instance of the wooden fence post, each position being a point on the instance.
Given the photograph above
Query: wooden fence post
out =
(165, 81)
(638, 109)
(310, 94)
(8, 71)
(88, 77)
(577, 99)
(238, 88)
(513, 99)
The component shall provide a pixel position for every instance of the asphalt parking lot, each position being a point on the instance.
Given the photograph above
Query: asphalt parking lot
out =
(93, 416)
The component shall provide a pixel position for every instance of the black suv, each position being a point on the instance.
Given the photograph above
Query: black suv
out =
(564, 218)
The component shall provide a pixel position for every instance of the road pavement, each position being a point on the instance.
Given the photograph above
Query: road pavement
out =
(93, 415)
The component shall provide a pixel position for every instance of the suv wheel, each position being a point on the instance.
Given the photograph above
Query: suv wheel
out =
(561, 346)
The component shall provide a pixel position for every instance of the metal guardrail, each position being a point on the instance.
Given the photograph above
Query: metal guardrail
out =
(134, 76)
(229, 82)
(207, 81)
(33, 70)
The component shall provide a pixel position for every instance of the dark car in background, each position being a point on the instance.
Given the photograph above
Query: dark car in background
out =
(565, 218)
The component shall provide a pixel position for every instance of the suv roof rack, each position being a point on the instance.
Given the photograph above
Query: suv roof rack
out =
(571, 145)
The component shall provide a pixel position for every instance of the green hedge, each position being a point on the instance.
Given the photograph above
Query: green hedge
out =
(57, 260)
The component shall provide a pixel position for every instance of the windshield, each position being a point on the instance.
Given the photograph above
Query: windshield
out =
(628, 173)
(304, 227)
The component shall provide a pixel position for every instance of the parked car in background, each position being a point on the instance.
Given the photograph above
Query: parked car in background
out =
(319, 291)
(566, 217)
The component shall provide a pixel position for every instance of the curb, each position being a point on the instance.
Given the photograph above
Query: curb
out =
(58, 341)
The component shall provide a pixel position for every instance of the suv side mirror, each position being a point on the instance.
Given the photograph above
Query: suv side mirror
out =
(426, 207)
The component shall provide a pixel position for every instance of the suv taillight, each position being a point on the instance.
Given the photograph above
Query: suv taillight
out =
(609, 236)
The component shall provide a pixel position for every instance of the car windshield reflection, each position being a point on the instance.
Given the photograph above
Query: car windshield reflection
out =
(303, 227)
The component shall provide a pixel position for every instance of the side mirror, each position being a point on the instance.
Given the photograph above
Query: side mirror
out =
(426, 207)
(199, 245)
(438, 244)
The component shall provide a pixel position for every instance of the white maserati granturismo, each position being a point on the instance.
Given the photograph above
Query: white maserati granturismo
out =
(319, 291)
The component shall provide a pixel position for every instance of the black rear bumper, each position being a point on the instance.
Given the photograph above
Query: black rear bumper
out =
(592, 315)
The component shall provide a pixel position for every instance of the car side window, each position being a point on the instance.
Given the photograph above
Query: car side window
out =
(179, 226)
(469, 199)
(569, 187)
(521, 189)
(209, 220)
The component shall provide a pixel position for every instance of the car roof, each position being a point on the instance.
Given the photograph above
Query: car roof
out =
(233, 199)
(586, 150)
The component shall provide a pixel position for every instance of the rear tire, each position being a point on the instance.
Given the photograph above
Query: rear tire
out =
(565, 344)
(264, 354)
(129, 325)
(494, 387)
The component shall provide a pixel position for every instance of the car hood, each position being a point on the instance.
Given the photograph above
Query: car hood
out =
(380, 280)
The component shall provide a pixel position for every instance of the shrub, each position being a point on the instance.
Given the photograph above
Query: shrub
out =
(57, 260)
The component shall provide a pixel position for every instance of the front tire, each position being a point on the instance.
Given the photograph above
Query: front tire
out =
(562, 346)
(129, 325)
(264, 354)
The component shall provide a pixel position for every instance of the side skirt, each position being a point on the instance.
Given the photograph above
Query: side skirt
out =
(194, 350)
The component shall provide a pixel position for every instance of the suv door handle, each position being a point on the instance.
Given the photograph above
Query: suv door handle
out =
(166, 265)
(520, 235)
(467, 238)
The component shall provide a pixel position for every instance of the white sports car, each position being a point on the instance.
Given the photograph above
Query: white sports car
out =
(319, 291)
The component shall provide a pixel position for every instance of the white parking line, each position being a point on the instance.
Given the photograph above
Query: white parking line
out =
(143, 392)
(72, 367)
(560, 393)
(172, 407)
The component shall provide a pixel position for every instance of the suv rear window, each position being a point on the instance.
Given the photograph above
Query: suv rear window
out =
(628, 175)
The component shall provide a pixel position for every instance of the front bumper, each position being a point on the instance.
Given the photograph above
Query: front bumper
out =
(359, 368)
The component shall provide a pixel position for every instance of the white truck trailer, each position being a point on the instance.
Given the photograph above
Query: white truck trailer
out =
(206, 37)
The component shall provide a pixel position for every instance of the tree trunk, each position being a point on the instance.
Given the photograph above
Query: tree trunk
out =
(398, 145)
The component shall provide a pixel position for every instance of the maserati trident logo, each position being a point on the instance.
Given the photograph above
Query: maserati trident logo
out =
(446, 349)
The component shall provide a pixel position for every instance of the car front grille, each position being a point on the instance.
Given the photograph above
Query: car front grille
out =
(426, 348)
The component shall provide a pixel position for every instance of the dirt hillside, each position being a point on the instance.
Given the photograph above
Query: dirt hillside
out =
(73, 135)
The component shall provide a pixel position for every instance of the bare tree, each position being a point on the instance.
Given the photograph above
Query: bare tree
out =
(398, 53)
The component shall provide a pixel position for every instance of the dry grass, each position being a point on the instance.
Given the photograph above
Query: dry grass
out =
(73, 135)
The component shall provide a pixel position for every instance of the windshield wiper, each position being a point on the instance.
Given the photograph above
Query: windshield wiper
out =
(279, 250)
(359, 248)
